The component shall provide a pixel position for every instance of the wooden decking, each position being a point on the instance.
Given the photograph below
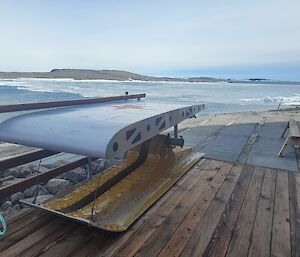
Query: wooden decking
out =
(217, 209)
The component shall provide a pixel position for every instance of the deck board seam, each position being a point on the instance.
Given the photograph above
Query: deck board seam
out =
(256, 209)
(195, 204)
(239, 210)
(197, 199)
(227, 205)
(271, 239)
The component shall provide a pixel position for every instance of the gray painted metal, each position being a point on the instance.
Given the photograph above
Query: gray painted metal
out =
(99, 130)
(267, 145)
(229, 144)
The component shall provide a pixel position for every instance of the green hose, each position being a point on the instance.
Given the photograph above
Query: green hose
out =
(4, 226)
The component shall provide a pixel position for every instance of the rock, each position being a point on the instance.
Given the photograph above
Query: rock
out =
(3, 200)
(6, 173)
(57, 185)
(6, 205)
(39, 199)
(7, 183)
(76, 175)
(10, 177)
(31, 192)
(34, 169)
(24, 205)
(55, 164)
(8, 212)
(17, 208)
(98, 166)
(21, 172)
(15, 198)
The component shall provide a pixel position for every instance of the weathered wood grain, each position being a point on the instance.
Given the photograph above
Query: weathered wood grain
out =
(240, 241)
(189, 198)
(261, 238)
(220, 240)
(294, 194)
(184, 232)
(280, 246)
(204, 231)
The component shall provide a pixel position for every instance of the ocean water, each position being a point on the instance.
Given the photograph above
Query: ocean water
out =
(218, 97)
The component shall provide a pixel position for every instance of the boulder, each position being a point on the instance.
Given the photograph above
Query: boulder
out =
(39, 199)
(98, 166)
(10, 177)
(3, 200)
(24, 205)
(21, 172)
(6, 173)
(8, 212)
(17, 208)
(7, 183)
(34, 169)
(52, 165)
(76, 175)
(16, 197)
(57, 185)
(6, 205)
(31, 192)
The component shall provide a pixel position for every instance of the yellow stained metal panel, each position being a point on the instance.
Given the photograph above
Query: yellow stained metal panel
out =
(118, 207)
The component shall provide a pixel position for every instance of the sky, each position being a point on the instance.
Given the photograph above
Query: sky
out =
(228, 39)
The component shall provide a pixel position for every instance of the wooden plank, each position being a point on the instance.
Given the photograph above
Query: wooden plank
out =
(27, 220)
(211, 165)
(24, 158)
(52, 104)
(33, 238)
(72, 242)
(294, 129)
(204, 231)
(138, 239)
(197, 202)
(113, 244)
(220, 240)
(184, 232)
(42, 177)
(43, 245)
(294, 194)
(20, 215)
(281, 245)
(20, 234)
(93, 241)
(242, 234)
(261, 238)
(50, 240)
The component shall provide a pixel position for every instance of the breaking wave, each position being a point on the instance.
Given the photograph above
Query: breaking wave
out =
(287, 100)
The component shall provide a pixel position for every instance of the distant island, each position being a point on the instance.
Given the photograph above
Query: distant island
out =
(118, 75)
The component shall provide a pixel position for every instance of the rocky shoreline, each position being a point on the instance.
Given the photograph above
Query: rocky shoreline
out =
(11, 205)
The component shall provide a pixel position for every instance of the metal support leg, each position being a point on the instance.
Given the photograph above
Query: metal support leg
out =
(285, 129)
(286, 142)
(176, 131)
(89, 172)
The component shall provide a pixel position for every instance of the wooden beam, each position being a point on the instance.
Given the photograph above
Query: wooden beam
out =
(45, 176)
(52, 104)
(24, 158)
(294, 130)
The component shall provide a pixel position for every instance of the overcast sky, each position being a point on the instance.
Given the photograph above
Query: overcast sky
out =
(229, 38)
